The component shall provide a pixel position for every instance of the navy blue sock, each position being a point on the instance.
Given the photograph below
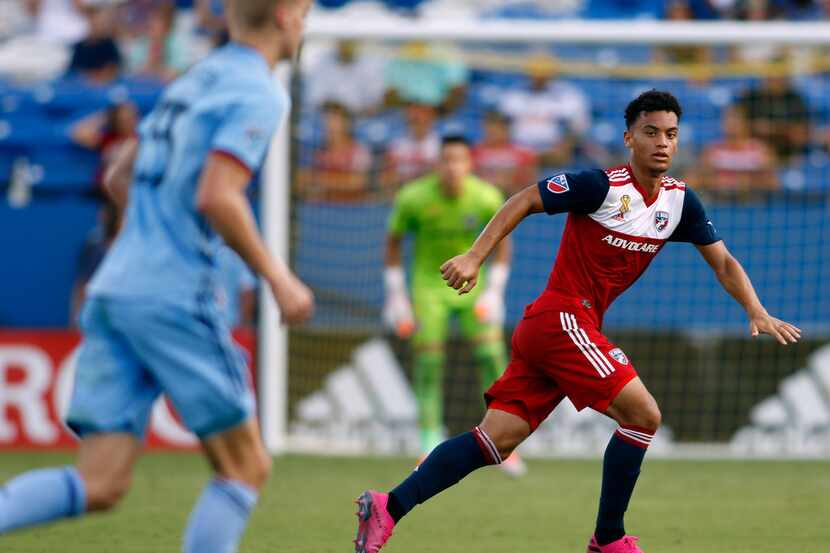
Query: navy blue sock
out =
(444, 467)
(620, 470)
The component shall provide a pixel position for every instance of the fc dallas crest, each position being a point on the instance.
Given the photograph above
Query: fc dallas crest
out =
(661, 220)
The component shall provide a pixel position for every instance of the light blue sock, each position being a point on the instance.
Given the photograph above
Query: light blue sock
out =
(219, 518)
(41, 496)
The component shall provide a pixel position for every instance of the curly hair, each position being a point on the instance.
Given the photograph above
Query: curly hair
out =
(651, 100)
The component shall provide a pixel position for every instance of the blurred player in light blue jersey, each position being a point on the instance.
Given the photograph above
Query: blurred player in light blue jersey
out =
(151, 324)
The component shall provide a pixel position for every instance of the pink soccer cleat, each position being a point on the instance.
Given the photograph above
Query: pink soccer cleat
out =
(374, 524)
(626, 544)
(514, 466)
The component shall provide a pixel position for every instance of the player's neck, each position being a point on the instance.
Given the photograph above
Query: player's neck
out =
(647, 179)
(266, 46)
(450, 190)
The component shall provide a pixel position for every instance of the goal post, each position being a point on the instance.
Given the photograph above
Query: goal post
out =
(721, 392)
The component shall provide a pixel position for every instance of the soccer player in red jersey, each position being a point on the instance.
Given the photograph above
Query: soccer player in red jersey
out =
(618, 220)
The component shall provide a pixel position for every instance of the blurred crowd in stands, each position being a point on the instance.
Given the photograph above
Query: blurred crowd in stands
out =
(76, 76)
(365, 128)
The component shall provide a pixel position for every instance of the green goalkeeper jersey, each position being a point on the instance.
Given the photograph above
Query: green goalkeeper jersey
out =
(442, 226)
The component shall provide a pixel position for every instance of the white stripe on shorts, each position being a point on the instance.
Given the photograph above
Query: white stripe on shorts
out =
(606, 364)
(585, 346)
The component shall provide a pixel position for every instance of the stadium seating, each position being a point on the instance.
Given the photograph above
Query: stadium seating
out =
(34, 134)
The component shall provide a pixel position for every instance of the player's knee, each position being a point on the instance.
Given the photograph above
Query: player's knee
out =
(262, 470)
(256, 470)
(647, 416)
(104, 493)
(653, 418)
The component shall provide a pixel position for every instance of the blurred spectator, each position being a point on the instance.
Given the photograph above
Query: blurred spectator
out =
(699, 9)
(210, 15)
(497, 160)
(235, 289)
(758, 51)
(159, 51)
(414, 154)
(739, 163)
(348, 77)
(550, 115)
(339, 170)
(106, 131)
(60, 21)
(97, 57)
(97, 244)
(427, 73)
(16, 18)
(682, 10)
(754, 10)
(30, 48)
(778, 115)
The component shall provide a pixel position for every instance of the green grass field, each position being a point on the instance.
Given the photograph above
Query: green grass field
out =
(679, 507)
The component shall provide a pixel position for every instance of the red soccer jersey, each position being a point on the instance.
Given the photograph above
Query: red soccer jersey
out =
(614, 231)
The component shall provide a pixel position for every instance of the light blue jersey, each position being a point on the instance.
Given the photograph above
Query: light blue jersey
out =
(151, 323)
(234, 278)
(166, 250)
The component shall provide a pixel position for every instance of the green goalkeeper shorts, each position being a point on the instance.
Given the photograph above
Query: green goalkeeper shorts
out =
(435, 306)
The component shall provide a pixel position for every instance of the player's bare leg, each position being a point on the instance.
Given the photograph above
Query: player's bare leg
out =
(639, 417)
(506, 430)
(239, 454)
(491, 357)
(97, 482)
(242, 466)
(105, 463)
(487, 444)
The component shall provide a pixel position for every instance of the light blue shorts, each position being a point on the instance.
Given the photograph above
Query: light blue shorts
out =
(134, 350)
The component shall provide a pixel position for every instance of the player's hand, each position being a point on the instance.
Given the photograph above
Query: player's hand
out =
(489, 307)
(295, 299)
(782, 331)
(397, 314)
(461, 272)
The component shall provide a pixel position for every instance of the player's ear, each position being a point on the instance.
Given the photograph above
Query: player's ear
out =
(627, 138)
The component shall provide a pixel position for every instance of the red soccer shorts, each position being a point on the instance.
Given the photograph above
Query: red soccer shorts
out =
(559, 351)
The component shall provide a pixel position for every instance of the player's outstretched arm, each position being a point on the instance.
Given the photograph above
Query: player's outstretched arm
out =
(734, 280)
(461, 272)
(119, 174)
(221, 199)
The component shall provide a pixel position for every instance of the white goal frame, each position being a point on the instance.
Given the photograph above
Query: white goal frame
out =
(273, 338)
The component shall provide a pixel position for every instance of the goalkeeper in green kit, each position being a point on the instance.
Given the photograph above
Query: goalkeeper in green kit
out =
(444, 212)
